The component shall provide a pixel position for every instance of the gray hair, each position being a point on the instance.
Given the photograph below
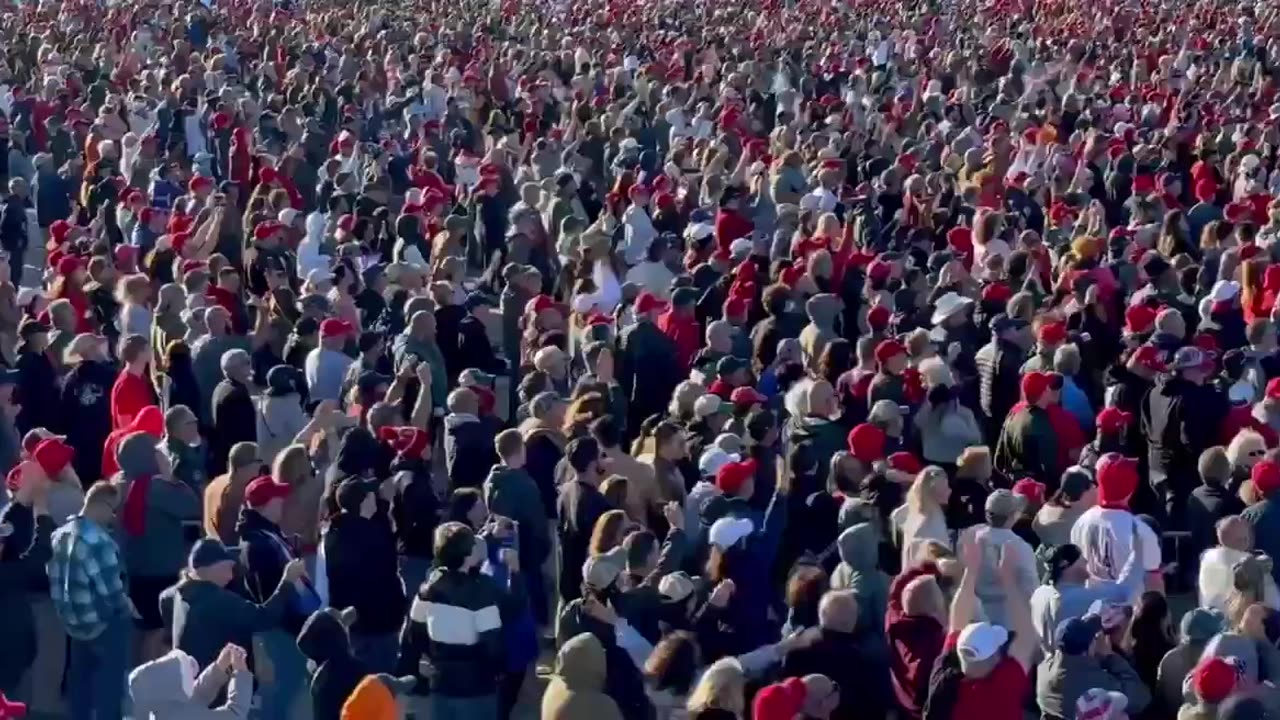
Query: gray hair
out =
(838, 611)
(1066, 360)
(542, 403)
(231, 359)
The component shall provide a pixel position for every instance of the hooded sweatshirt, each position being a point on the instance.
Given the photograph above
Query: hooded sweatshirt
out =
(822, 310)
(168, 688)
(859, 548)
(323, 640)
(576, 690)
(154, 511)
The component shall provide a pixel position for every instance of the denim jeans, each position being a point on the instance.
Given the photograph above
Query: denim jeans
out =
(98, 670)
(288, 677)
(483, 707)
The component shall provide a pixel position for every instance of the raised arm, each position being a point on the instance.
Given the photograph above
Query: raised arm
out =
(964, 601)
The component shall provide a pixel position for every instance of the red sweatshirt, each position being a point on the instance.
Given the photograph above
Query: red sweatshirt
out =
(915, 641)
(685, 332)
(129, 395)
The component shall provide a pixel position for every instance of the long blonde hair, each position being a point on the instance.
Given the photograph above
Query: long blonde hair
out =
(722, 687)
(920, 494)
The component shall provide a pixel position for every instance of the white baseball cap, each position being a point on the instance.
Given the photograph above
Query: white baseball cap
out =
(714, 458)
(727, 532)
(979, 641)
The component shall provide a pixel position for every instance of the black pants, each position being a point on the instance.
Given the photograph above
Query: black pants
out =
(509, 692)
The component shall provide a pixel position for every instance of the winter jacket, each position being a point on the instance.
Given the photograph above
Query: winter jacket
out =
(1063, 678)
(623, 681)
(160, 552)
(264, 552)
(578, 508)
(1028, 446)
(1207, 505)
(858, 571)
(825, 437)
(203, 617)
(362, 572)
(640, 602)
(324, 641)
(822, 309)
(915, 642)
(1265, 519)
(85, 414)
(455, 622)
(278, 420)
(415, 509)
(512, 493)
(159, 691)
(19, 567)
(234, 420)
(648, 370)
(856, 663)
(1180, 420)
(468, 450)
(543, 449)
(575, 692)
(946, 431)
(999, 372)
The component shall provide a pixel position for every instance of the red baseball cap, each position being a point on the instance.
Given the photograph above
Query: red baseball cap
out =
(335, 327)
(264, 489)
(648, 302)
(746, 396)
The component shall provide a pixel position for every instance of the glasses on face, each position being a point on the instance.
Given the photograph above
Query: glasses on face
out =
(1257, 453)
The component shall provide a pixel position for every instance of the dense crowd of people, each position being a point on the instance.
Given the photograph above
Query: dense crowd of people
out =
(775, 360)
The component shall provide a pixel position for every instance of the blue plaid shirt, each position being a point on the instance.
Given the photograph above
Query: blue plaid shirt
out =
(86, 578)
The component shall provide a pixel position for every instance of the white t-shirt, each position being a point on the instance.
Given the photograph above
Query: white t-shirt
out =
(1104, 537)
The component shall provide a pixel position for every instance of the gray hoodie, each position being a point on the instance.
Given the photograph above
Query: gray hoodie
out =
(1064, 678)
(160, 551)
(279, 421)
(168, 688)
(822, 309)
(859, 548)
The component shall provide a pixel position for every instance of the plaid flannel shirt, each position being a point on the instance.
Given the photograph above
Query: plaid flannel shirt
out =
(86, 578)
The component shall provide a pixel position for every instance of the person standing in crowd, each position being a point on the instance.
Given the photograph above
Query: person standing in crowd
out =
(86, 581)
(826, 327)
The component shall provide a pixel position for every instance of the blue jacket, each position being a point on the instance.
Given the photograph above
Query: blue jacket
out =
(519, 632)
(751, 569)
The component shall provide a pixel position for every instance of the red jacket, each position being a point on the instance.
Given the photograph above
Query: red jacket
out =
(915, 642)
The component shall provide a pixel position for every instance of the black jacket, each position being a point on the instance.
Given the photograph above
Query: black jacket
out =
(543, 450)
(1180, 420)
(264, 552)
(455, 622)
(858, 664)
(37, 384)
(1207, 505)
(623, 681)
(648, 371)
(578, 508)
(474, 348)
(204, 617)
(20, 565)
(999, 366)
(233, 419)
(415, 510)
(1127, 391)
(85, 414)
(468, 450)
(360, 562)
(512, 493)
(323, 640)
